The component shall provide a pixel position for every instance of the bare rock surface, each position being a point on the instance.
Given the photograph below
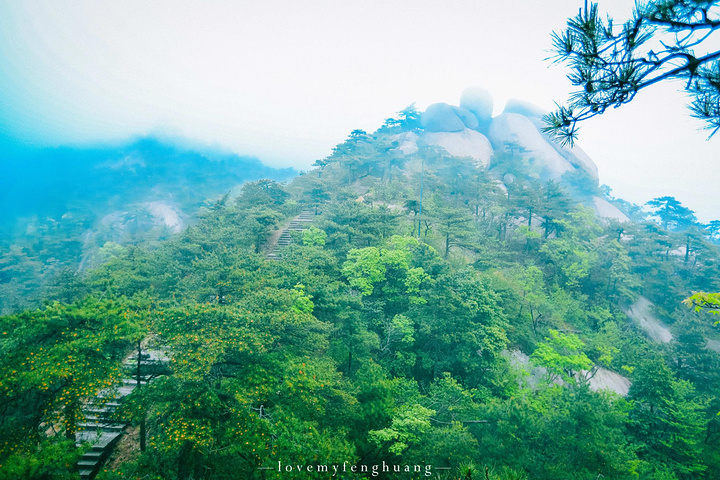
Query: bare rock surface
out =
(407, 143)
(441, 117)
(467, 117)
(467, 143)
(605, 209)
(603, 379)
(713, 345)
(165, 215)
(641, 313)
(575, 155)
(478, 101)
(518, 129)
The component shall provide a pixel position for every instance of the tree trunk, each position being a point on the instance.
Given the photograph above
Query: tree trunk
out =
(138, 385)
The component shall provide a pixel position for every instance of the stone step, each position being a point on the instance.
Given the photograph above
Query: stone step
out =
(105, 427)
(91, 455)
(94, 418)
(98, 412)
(150, 356)
(99, 429)
(143, 365)
(133, 381)
(99, 439)
(126, 390)
(86, 474)
(101, 407)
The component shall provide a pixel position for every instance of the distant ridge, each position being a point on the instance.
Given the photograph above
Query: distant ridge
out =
(44, 182)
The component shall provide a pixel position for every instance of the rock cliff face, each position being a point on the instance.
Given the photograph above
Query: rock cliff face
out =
(470, 130)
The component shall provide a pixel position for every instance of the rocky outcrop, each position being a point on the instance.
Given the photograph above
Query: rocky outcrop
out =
(641, 313)
(470, 130)
(599, 379)
(515, 129)
(407, 142)
(441, 117)
(478, 101)
(605, 209)
(467, 143)
(575, 155)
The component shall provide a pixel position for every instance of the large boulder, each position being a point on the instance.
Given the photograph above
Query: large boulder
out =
(407, 142)
(467, 143)
(513, 128)
(526, 109)
(441, 117)
(467, 117)
(478, 101)
(605, 209)
(575, 155)
(578, 158)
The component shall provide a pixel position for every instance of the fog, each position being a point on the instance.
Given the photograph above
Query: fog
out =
(285, 81)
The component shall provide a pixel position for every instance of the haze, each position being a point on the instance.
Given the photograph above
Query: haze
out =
(286, 81)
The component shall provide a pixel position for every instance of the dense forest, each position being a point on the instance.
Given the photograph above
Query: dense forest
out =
(435, 316)
(67, 208)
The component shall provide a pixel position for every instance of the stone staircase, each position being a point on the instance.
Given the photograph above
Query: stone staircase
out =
(297, 224)
(101, 428)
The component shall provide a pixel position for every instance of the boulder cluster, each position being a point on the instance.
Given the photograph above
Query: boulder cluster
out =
(470, 130)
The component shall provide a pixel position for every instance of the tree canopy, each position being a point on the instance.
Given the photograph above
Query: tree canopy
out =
(611, 62)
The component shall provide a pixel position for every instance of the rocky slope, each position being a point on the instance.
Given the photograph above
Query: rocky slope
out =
(470, 130)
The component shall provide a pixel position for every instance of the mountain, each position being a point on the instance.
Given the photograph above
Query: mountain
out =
(49, 182)
(399, 309)
(469, 130)
(62, 205)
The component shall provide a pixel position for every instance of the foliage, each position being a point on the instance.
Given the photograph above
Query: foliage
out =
(704, 301)
(561, 356)
(381, 334)
(610, 63)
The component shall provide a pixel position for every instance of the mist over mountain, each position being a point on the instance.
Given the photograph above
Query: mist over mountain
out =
(62, 206)
(470, 130)
(48, 182)
(451, 289)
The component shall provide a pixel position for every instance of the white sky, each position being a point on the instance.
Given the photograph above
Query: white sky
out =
(287, 80)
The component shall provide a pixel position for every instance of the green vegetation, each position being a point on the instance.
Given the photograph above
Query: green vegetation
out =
(385, 333)
(611, 62)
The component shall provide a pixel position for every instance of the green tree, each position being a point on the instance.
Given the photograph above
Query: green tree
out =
(558, 433)
(387, 273)
(53, 361)
(713, 230)
(666, 418)
(672, 214)
(407, 119)
(314, 237)
(705, 301)
(611, 62)
(562, 357)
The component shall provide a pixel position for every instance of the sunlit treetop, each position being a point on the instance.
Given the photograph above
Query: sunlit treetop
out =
(611, 63)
